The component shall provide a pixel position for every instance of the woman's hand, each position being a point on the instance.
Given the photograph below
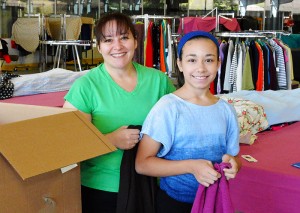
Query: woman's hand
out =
(124, 138)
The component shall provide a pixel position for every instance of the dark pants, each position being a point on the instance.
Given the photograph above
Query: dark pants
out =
(97, 201)
(167, 204)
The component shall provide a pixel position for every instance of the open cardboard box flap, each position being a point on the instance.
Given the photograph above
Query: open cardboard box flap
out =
(36, 140)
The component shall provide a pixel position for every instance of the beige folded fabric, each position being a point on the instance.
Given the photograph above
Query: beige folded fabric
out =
(54, 28)
(25, 32)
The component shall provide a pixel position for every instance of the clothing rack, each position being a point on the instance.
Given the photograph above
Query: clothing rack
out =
(252, 34)
(62, 43)
(146, 18)
(217, 16)
(27, 39)
(239, 35)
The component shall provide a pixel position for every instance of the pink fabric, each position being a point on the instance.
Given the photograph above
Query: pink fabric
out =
(271, 184)
(53, 99)
(206, 24)
(216, 197)
(285, 54)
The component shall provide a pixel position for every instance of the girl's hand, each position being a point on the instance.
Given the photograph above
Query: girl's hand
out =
(235, 165)
(204, 172)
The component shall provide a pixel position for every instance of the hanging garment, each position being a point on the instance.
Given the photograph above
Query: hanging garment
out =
(226, 85)
(247, 82)
(272, 68)
(149, 47)
(233, 69)
(162, 43)
(156, 45)
(216, 197)
(169, 58)
(137, 192)
(280, 65)
(206, 24)
(288, 66)
(224, 50)
(239, 70)
(217, 81)
(139, 52)
(266, 66)
(254, 58)
(260, 69)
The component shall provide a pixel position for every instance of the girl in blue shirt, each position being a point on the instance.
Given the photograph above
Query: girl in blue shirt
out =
(189, 130)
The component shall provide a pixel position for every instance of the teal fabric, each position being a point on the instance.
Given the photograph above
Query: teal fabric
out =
(292, 41)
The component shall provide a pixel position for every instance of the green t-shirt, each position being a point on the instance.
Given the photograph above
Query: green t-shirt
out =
(111, 107)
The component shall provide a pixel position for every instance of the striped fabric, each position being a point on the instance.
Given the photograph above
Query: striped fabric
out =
(280, 65)
(233, 69)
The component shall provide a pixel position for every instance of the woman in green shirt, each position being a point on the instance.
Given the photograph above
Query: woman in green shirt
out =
(114, 95)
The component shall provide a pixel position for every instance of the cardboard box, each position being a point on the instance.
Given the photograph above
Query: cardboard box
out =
(35, 144)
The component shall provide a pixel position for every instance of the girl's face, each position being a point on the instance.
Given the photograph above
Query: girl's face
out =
(117, 49)
(199, 62)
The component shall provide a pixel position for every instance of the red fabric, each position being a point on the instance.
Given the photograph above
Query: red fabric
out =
(53, 99)
(271, 184)
(13, 44)
(278, 127)
(206, 24)
(149, 47)
(216, 197)
(162, 50)
(260, 73)
(6, 58)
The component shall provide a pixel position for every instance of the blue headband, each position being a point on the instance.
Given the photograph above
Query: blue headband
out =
(194, 34)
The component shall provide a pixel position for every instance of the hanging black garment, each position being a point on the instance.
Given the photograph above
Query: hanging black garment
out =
(139, 52)
(272, 69)
(137, 193)
(156, 45)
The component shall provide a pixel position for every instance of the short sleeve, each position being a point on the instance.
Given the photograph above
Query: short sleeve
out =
(160, 124)
(79, 95)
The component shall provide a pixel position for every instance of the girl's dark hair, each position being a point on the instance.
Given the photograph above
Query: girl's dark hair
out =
(124, 23)
(180, 76)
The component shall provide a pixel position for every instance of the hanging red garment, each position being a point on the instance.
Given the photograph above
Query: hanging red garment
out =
(260, 73)
(162, 50)
(207, 24)
(149, 47)
(216, 197)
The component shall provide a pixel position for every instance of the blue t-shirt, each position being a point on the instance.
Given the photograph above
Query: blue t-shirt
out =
(190, 131)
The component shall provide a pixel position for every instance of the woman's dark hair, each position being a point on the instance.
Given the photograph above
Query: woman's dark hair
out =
(124, 23)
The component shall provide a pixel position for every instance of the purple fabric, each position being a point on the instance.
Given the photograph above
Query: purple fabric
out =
(216, 197)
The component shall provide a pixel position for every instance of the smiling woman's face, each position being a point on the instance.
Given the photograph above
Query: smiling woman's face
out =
(117, 48)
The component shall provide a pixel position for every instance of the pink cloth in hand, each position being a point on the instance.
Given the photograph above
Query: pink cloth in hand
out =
(216, 197)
